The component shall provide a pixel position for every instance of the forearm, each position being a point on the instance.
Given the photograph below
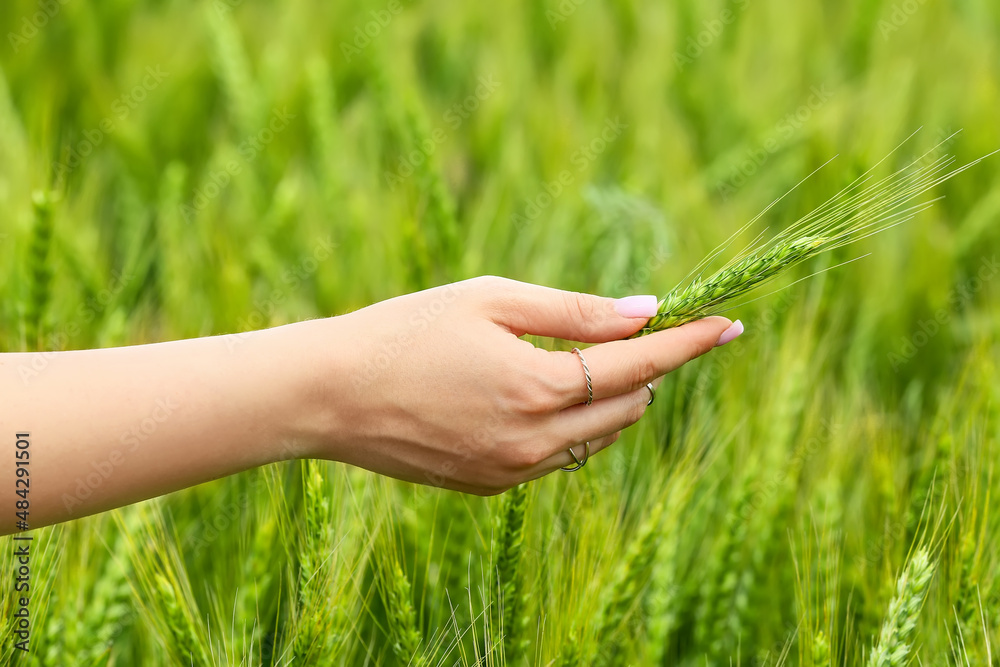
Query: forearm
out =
(114, 426)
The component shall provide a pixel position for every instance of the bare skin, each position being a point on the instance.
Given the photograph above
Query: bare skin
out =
(434, 387)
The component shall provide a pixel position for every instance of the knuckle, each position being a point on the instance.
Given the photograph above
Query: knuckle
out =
(496, 292)
(583, 308)
(542, 398)
(635, 412)
(524, 402)
(641, 371)
(531, 391)
(523, 457)
(489, 282)
(539, 403)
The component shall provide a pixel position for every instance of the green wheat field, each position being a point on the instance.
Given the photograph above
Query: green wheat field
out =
(823, 491)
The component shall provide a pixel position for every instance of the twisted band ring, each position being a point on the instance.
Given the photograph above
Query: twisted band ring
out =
(586, 373)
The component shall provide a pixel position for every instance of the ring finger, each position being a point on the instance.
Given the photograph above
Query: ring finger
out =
(605, 416)
(563, 458)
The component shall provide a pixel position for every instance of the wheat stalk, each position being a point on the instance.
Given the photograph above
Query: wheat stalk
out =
(894, 642)
(508, 607)
(232, 67)
(109, 609)
(865, 207)
(176, 613)
(39, 269)
(437, 203)
(662, 604)
(162, 587)
(258, 572)
(965, 602)
(718, 590)
(821, 650)
(404, 634)
(625, 615)
(317, 627)
(431, 234)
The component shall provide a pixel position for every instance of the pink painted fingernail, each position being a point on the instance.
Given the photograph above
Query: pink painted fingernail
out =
(734, 330)
(643, 305)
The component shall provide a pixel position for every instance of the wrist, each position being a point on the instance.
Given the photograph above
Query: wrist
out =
(310, 400)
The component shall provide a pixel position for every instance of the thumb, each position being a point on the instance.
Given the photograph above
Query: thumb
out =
(524, 308)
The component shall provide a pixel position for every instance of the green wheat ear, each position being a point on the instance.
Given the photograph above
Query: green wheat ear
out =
(39, 269)
(405, 636)
(821, 650)
(187, 643)
(312, 636)
(232, 67)
(627, 599)
(162, 586)
(863, 208)
(899, 627)
(508, 602)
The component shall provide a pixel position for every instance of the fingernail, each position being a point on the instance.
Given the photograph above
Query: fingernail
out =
(734, 330)
(643, 305)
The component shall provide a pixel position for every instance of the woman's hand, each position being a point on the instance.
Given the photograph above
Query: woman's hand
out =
(434, 387)
(437, 387)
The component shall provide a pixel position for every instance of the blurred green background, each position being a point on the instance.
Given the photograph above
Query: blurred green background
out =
(172, 169)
